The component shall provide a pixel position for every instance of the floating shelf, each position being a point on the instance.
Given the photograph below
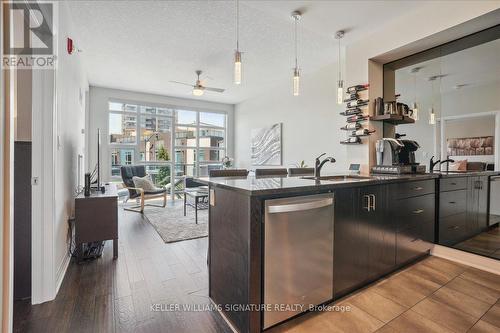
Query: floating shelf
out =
(357, 121)
(393, 119)
(351, 114)
(351, 143)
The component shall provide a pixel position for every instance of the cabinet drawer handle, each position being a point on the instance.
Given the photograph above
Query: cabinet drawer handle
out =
(452, 202)
(374, 205)
(453, 184)
(455, 227)
(368, 204)
(418, 188)
(418, 211)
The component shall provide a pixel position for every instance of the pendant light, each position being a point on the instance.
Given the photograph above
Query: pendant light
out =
(237, 53)
(296, 16)
(415, 106)
(432, 114)
(340, 83)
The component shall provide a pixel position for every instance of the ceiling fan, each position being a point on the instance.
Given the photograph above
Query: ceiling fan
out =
(198, 87)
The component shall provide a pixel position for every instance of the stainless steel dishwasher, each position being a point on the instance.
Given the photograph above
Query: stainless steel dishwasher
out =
(298, 255)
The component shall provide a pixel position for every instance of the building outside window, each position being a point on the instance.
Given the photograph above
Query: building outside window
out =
(172, 143)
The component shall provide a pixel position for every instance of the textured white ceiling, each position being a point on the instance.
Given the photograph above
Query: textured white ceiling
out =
(142, 45)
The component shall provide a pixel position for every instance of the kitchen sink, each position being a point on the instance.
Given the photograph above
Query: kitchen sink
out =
(341, 178)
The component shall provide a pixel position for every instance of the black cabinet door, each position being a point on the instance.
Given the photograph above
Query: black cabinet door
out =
(477, 205)
(373, 218)
(471, 222)
(415, 226)
(350, 244)
(482, 203)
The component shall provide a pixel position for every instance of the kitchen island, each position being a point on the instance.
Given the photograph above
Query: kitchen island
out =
(378, 224)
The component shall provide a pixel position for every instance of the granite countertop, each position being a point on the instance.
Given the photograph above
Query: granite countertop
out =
(252, 185)
(272, 185)
(450, 174)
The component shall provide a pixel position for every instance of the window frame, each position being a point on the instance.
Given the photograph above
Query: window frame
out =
(173, 163)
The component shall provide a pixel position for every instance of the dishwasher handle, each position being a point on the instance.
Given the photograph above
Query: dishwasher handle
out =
(297, 207)
(495, 178)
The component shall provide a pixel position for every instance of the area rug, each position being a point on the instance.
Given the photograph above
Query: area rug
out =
(173, 226)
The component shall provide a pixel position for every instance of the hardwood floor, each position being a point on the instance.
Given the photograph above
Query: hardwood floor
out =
(434, 295)
(107, 295)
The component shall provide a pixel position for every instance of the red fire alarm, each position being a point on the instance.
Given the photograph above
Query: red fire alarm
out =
(70, 46)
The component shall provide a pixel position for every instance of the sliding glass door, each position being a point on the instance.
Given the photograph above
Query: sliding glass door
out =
(172, 143)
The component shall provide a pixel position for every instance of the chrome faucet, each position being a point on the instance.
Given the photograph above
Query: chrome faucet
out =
(319, 164)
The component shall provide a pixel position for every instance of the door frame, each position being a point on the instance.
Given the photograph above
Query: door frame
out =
(7, 105)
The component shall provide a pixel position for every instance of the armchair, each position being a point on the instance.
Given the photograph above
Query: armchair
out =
(127, 173)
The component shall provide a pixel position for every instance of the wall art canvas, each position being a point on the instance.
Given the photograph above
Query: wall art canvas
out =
(266, 145)
(471, 146)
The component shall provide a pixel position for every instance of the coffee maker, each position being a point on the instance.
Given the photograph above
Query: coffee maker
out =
(397, 156)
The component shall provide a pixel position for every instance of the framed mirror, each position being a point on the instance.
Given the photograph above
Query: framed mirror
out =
(453, 93)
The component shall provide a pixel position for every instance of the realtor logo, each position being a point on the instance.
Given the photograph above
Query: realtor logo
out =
(31, 41)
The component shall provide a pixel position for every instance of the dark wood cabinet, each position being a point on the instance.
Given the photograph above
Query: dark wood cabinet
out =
(477, 205)
(414, 219)
(350, 246)
(364, 242)
(463, 208)
(379, 228)
(381, 242)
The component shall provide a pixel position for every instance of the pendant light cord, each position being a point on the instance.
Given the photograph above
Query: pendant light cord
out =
(340, 70)
(415, 81)
(296, 41)
(238, 25)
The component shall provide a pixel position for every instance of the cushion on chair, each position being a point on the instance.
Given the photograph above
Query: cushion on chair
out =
(157, 190)
(144, 182)
(128, 172)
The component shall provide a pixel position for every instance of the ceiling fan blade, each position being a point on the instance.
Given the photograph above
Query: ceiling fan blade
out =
(219, 90)
(186, 84)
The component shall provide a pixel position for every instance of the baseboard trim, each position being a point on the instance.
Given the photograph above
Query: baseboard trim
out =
(467, 258)
(61, 272)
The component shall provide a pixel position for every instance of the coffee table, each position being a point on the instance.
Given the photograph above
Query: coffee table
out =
(199, 199)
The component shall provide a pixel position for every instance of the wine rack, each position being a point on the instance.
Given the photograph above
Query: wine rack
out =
(356, 103)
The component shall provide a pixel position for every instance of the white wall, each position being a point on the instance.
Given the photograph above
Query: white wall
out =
(98, 119)
(311, 122)
(71, 84)
(468, 100)
(57, 141)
